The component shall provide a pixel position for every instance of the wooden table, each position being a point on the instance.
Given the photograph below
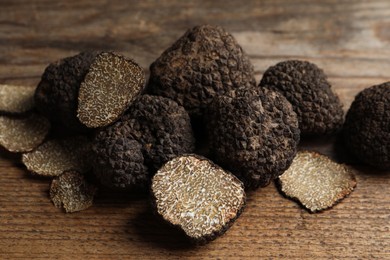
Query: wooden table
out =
(350, 40)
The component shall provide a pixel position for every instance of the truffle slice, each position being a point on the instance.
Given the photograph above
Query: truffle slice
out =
(16, 99)
(108, 89)
(306, 87)
(23, 134)
(367, 126)
(71, 191)
(316, 181)
(54, 157)
(205, 62)
(197, 196)
(253, 133)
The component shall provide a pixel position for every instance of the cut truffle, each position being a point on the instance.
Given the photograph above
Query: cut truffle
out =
(306, 87)
(23, 134)
(54, 157)
(108, 89)
(253, 133)
(316, 181)
(16, 99)
(71, 191)
(197, 196)
(205, 62)
(367, 126)
(57, 93)
(154, 130)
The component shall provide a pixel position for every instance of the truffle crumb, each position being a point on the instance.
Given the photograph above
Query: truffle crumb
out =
(197, 196)
(71, 191)
(108, 89)
(16, 99)
(316, 181)
(23, 134)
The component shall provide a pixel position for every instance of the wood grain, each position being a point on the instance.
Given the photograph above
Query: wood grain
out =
(350, 40)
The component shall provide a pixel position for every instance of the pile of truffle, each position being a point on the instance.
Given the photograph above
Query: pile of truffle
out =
(198, 135)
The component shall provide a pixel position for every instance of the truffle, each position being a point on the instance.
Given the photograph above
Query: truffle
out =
(55, 156)
(71, 191)
(253, 133)
(197, 196)
(16, 100)
(316, 181)
(205, 62)
(154, 130)
(108, 89)
(305, 86)
(23, 134)
(367, 126)
(57, 93)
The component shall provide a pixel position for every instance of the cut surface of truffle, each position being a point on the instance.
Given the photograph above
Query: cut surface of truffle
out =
(197, 196)
(16, 99)
(54, 157)
(367, 126)
(205, 62)
(71, 191)
(23, 134)
(108, 89)
(316, 181)
(253, 133)
(306, 87)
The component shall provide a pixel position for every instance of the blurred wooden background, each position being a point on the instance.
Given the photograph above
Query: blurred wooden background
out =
(350, 40)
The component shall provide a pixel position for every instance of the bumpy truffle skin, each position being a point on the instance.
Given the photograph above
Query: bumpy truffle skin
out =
(153, 131)
(57, 92)
(367, 126)
(205, 62)
(253, 133)
(319, 110)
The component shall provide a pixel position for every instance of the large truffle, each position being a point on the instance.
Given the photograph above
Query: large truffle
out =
(367, 126)
(153, 131)
(253, 133)
(205, 62)
(319, 110)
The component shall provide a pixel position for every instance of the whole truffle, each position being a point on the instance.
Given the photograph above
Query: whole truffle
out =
(205, 62)
(319, 110)
(367, 126)
(57, 92)
(253, 133)
(153, 131)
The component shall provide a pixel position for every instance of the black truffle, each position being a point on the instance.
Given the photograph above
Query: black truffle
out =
(153, 131)
(253, 133)
(367, 126)
(319, 110)
(205, 62)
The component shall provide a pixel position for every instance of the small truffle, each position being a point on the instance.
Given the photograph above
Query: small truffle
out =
(71, 191)
(16, 99)
(205, 62)
(108, 89)
(253, 133)
(57, 93)
(54, 157)
(197, 196)
(23, 134)
(316, 181)
(305, 86)
(154, 130)
(367, 126)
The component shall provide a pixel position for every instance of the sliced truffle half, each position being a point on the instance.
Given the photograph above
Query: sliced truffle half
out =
(16, 99)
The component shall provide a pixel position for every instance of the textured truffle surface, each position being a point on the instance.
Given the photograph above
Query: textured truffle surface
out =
(367, 126)
(305, 86)
(154, 130)
(206, 61)
(253, 133)
(108, 89)
(57, 92)
(197, 196)
(16, 99)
